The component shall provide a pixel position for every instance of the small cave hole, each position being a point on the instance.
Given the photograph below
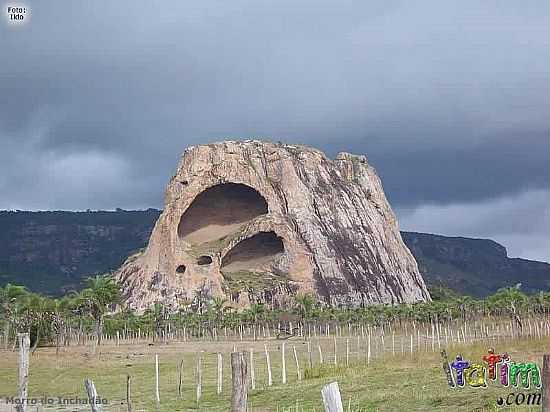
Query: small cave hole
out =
(204, 260)
(181, 269)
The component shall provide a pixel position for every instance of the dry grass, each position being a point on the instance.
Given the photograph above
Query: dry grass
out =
(390, 383)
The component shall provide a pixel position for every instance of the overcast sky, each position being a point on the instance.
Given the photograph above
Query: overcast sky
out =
(449, 101)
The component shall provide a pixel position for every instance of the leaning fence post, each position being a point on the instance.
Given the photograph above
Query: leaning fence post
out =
(239, 377)
(24, 344)
(298, 374)
(332, 400)
(92, 395)
(546, 383)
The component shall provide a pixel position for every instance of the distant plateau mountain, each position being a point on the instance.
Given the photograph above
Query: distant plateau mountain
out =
(52, 252)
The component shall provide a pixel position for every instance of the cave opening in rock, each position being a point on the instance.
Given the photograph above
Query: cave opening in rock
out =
(255, 253)
(204, 260)
(219, 211)
(181, 269)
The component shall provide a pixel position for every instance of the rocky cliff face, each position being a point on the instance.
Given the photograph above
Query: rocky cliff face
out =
(257, 221)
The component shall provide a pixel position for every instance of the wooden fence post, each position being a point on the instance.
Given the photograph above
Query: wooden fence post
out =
(92, 395)
(157, 393)
(239, 377)
(368, 350)
(24, 344)
(6, 335)
(283, 361)
(180, 379)
(269, 377)
(546, 383)
(128, 393)
(199, 377)
(335, 352)
(331, 398)
(220, 373)
(251, 368)
(298, 374)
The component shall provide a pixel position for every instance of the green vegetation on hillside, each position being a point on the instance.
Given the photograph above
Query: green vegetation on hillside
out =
(53, 252)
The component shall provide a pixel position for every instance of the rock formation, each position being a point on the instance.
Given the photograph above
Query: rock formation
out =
(258, 222)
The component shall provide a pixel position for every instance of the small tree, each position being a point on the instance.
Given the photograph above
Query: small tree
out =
(511, 301)
(305, 304)
(11, 297)
(157, 315)
(102, 293)
(39, 314)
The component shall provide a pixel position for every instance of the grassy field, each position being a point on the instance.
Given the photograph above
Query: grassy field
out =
(400, 382)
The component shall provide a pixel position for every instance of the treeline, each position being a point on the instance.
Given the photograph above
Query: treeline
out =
(98, 311)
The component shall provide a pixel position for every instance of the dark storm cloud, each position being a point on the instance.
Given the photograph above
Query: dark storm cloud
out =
(449, 101)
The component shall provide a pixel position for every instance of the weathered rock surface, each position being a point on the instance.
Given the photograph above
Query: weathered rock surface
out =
(258, 221)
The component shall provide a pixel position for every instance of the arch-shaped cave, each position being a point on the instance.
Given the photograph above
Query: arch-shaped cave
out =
(204, 260)
(219, 211)
(181, 269)
(253, 253)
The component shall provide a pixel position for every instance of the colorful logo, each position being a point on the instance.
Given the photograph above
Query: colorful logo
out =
(461, 372)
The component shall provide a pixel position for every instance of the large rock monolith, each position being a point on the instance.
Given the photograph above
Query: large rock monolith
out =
(258, 222)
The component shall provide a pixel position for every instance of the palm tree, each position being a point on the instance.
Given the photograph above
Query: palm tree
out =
(157, 315)
(101, 294)
(305, 305)
(10, 296)
(60, 309)
(218, 306)
(255, 312)
(38, 310)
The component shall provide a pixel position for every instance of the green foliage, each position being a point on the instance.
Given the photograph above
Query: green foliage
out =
(442, 293)
(35, 249)
(102, 292)
(93, 310)
(305, 305)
